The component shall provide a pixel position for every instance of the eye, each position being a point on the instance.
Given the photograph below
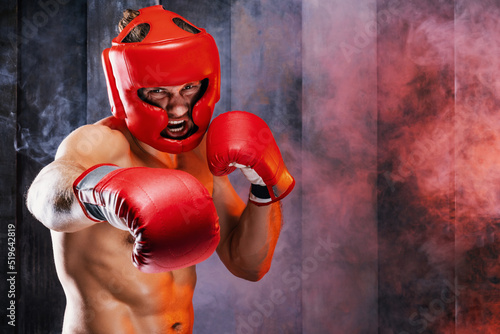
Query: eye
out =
(156, 93)
(192, 86)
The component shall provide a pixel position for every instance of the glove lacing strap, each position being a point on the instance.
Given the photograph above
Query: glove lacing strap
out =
(84, 187)
(259, 193)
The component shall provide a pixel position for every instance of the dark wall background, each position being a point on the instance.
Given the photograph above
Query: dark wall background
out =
(386, 112)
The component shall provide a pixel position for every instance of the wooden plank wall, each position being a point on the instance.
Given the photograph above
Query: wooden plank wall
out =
(386, 113)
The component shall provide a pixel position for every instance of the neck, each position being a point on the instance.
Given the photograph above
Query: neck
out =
(150, 153)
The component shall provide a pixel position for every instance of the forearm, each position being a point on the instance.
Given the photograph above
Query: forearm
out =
(51, 199)
(253, 240)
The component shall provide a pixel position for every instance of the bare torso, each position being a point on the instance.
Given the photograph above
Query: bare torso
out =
(105, 293)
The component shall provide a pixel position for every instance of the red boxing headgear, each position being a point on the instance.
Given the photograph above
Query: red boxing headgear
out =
(167, 56)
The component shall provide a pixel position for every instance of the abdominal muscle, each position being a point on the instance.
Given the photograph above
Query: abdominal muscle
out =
(105, 293)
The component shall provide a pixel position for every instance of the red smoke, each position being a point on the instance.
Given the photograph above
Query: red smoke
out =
(439, 150)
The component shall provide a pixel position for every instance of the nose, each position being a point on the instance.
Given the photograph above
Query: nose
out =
(176, 106)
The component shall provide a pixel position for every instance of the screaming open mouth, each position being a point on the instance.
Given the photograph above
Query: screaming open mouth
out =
(176, 126)
(178, 130)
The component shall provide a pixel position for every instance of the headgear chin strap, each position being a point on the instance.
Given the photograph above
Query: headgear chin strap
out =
(167, 56)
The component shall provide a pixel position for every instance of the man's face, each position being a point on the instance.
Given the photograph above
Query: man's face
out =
(178, 102)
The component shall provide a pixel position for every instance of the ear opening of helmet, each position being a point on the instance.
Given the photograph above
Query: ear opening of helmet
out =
(185, 26)
(137, 34)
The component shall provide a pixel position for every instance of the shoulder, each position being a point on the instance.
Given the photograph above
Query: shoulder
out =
(102, 142)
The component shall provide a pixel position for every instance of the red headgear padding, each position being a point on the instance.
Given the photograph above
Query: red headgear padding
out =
(167, 56)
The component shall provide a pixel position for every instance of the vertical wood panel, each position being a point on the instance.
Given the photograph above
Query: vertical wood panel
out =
(339, 167)
(416, 191)
(266, 79)
(8, 87)
(52, 102)
(477, 125)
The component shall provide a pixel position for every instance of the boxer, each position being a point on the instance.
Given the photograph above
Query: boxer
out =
(137, 199)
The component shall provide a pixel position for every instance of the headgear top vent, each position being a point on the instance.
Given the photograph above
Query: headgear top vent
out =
(167, 56)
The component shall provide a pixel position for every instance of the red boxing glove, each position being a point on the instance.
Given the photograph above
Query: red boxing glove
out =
(238, 139)
(169, 212)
